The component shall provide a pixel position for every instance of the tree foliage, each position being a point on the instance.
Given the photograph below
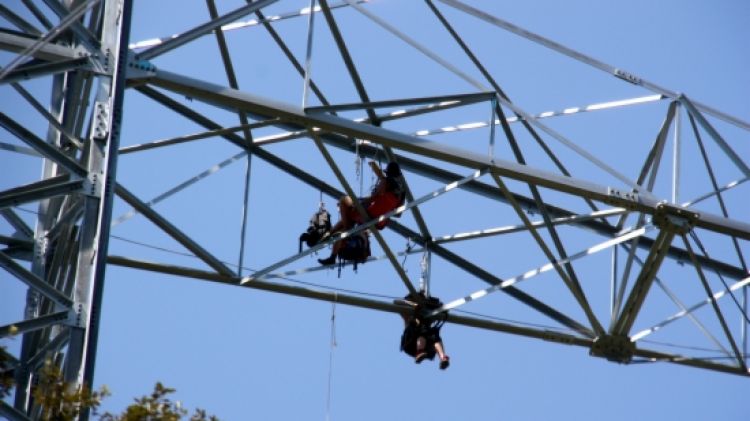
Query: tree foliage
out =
(157, 406)
(61, 401)
(6, 374)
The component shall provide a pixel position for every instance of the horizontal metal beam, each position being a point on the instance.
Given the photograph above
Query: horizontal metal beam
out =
(336, 297)
(19, 149)
(17, 43)
(458, 99)
(68, 19)
(237, 100)
(36, 69)
(33, 324)
(17, 242)
(39, 190)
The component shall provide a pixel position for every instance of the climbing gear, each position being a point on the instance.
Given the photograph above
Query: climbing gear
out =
(320, 226)
(354, 249)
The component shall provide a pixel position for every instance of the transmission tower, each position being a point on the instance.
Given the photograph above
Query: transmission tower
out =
(655, 223)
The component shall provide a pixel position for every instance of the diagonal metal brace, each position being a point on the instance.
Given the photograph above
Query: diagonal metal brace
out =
(672, 221)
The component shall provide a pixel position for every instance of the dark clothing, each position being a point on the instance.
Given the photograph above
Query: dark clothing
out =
(413, 331)
(418, 326)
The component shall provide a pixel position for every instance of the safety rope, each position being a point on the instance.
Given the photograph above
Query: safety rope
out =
(424, 279)
(409, 245)
(330, 355)
(358, 165)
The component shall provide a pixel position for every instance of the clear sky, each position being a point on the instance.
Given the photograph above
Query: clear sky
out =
(247, 354)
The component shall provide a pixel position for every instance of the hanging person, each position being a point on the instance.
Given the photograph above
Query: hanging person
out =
(388, 194)
(421, 337)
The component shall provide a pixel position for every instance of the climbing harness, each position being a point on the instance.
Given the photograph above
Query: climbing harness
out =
(320, 225)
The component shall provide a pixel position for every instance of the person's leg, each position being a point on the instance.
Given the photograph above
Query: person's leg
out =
(345, 210)
(440, 350)
(444, 358)
(344, 223)
(334, 252)
(421, 345)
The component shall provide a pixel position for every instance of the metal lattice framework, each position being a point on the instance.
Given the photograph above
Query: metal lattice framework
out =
(77, 52)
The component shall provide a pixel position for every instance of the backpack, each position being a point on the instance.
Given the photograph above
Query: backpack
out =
(320, 224)
(355, 249)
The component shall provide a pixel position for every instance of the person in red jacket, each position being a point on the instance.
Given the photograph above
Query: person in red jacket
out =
(388, 194)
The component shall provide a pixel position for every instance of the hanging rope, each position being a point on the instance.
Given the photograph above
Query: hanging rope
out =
(424, 280)
(358, 164)
(409, 246)
(330, 355)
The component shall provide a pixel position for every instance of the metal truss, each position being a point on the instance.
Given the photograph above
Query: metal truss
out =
(81, 53)
(82, 58)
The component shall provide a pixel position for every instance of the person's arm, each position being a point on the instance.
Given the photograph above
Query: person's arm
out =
(404, 312)
(376, 169)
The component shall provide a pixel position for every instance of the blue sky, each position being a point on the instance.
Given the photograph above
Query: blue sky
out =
(247, 354)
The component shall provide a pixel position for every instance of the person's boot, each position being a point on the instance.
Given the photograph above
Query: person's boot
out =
(445, 362)
(328, 261)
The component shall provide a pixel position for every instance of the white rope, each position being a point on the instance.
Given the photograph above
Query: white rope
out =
(330, 355)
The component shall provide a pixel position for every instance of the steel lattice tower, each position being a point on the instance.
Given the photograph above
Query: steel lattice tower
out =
(526, 169)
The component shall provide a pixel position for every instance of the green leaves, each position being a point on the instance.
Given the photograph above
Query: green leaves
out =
(157, 407)
(61, 401)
